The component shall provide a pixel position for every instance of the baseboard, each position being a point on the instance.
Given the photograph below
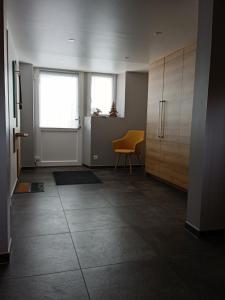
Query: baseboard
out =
(166, 182)
(110, 166)
(13, 189)
(195, 231)
(204, 233)
(28, 168)
(58, 164)
(4, 258)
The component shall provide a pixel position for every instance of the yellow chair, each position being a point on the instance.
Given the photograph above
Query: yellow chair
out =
(129, 144)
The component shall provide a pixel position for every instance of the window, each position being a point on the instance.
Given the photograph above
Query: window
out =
(58, 100)
(102, 93)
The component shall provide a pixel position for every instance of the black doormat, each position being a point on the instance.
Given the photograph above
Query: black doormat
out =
(75, 177)
(27, 187)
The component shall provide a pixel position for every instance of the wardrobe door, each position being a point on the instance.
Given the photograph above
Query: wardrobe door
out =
(153, 145)
(186, 108)
(171, 153)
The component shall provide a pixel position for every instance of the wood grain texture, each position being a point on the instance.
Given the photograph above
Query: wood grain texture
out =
(170, 79)
(155, 90)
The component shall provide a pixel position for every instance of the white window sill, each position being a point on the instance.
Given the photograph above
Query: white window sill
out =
(107, 117)
(50, 129)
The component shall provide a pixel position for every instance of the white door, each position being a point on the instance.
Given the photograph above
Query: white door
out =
(58, 119)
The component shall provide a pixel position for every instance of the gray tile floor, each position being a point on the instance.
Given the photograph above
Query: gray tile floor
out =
(122, 239)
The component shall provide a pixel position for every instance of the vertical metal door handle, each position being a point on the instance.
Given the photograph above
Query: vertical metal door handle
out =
(163, 119)
(159, 121)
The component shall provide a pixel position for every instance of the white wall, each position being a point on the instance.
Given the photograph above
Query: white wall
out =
(104, 130)
(4, 142)
(27, 115)
(206, 205)
(13, 159)
(120, 94)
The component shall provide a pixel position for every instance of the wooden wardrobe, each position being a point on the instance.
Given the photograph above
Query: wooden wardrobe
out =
(170, 99)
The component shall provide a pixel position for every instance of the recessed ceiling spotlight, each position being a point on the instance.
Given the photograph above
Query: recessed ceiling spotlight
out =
(71, 40)
(157, 33)
(126, 57)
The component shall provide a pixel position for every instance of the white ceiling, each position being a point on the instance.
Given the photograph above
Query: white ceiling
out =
(105, 32)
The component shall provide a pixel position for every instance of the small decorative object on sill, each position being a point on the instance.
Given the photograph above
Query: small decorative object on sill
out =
(113, 113)
(97, 112)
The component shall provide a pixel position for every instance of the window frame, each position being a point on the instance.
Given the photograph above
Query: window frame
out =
(58, 71)
(114, 91)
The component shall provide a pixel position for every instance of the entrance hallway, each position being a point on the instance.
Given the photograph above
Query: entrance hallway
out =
(122, 239)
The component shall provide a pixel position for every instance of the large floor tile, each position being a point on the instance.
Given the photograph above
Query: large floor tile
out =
(41, 255)
(129, 236)
(39, 223)
(88, 219)
(49, 191)
(103, 247)
(118, 186)
(146, 216)
(61, 286)
(29, 204)
(85, 200)
(136, 281)
(203, 273)
(171, 240)
(79, 190)
(145, 184)
(166, 195)
(126, 198)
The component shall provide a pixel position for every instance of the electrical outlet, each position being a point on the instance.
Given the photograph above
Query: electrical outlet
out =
(95, 156)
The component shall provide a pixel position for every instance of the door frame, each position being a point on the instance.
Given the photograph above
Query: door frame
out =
(38, 131)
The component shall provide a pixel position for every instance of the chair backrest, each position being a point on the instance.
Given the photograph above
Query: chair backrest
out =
(133, 139)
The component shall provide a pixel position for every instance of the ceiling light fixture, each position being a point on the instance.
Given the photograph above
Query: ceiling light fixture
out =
(71, 40)
(157, 33)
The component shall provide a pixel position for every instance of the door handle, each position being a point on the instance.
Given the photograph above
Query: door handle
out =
(21, 134)
(163, 118)
(79, 123)
(16, 136)
(160, 120)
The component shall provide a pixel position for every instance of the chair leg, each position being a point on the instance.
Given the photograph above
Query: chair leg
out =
(117, 161)
(129, 158)
(125, 161)
(139, 157)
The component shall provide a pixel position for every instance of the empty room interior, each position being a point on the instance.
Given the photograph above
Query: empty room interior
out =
(112, 150)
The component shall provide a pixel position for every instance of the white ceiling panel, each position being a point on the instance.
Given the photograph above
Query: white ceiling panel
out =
(110, 35)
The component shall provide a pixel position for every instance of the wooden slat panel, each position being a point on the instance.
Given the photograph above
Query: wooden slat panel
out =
(172, 95)
(153, 156)
(168, 158)
(170, 167)
(155, 90)
(174, 163)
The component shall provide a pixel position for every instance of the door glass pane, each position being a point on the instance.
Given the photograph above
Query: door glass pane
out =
(101, 93)
(58, 100)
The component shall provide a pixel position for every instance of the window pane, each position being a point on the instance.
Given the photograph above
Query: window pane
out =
(101, 93)
(58, 100)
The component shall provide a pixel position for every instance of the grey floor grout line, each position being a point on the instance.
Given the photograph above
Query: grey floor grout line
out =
(70, 233)
(15, 238)
(82, 274)
(42, 274)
